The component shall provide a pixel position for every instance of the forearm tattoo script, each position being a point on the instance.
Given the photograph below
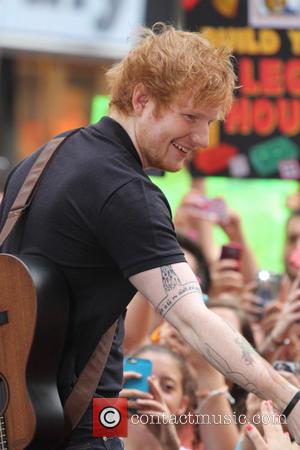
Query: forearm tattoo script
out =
(174, 289)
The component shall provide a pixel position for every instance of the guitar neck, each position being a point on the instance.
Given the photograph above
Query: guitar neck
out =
(3, 437)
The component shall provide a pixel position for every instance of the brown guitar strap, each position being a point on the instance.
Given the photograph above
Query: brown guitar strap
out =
(23, 197)
(81, 395)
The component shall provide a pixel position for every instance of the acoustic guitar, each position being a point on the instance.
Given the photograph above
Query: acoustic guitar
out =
(34, 306)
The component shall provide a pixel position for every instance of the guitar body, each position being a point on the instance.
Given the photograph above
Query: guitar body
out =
(34, 306)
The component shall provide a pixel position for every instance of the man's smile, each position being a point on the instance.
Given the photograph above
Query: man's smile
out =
(181, 148)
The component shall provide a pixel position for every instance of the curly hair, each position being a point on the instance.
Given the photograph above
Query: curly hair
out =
(169, 63)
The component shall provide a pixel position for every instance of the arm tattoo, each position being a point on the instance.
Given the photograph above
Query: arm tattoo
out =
(222, 365)
(247, 351)
(174, 289)
(169, 278)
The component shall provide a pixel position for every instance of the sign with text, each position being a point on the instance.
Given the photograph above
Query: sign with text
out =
(80, 27)
(261, 134)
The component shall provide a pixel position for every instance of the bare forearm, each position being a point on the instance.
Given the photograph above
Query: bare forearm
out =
(175, 293)
(206, 242)
(233, 356)
(249, 264)
(219, 435)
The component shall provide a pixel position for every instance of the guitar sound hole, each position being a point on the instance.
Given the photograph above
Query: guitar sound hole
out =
(3, 395)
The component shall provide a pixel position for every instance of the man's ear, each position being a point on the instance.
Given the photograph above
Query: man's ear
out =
(140, 98)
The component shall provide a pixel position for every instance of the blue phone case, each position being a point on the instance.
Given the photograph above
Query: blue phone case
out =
(142, 366)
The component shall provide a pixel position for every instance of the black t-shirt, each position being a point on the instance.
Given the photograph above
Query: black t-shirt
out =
(98, 216)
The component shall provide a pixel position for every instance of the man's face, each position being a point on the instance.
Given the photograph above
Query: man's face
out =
(166, 139)
(292, 243)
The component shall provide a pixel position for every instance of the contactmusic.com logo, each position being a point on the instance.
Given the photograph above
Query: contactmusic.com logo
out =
(110, 417)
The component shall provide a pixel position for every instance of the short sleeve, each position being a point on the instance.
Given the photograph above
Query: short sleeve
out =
(136, 229)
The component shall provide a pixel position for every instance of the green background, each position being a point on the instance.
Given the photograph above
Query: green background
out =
(260, 203)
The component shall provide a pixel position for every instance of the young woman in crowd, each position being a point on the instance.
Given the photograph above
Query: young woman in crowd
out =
(171, 394)
(212, 394)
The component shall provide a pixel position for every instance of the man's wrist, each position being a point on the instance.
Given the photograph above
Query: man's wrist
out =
(286, 391)
(278, 390)
(291, 405)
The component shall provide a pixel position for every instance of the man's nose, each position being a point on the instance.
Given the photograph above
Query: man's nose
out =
(200, 136)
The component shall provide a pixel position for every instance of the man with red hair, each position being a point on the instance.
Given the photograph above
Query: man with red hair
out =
(97, 215)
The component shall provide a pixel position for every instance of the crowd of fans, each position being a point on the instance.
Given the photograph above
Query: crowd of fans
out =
(189, 404)
(217, 415)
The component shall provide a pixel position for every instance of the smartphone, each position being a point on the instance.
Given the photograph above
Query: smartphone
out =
(211, 208)
(141, 366)
(232, 251)
(287, 366)
(268, 285)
